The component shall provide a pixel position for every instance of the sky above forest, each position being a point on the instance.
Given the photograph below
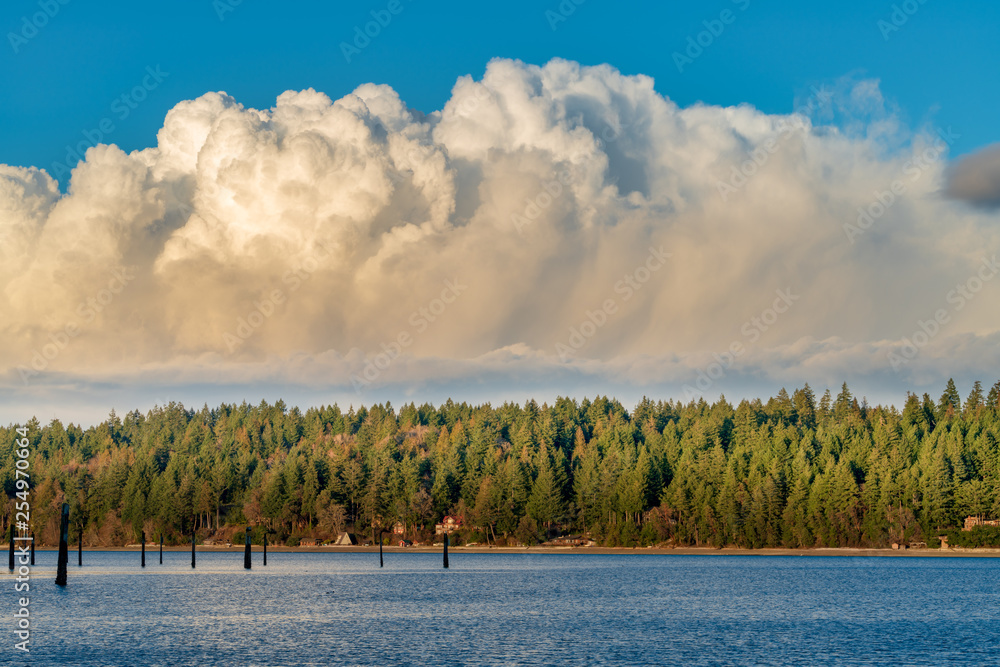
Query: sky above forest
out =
(406, 201)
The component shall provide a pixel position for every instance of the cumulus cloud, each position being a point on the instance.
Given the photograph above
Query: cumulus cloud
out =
(548, 225)
(976, 178)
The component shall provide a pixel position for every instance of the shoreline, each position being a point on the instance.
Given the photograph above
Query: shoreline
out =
(843, 552)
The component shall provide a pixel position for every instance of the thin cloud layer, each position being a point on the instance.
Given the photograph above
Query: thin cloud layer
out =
(548, 224)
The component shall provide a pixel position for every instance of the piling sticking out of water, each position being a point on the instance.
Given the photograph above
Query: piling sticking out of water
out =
(380, 564)
(63, 547)
(246, 552)
(192, 549)
(161, 548)
(446, 551)
(11, 559)
(32, 548)
(79, 550)
(143, 548)
(265, 548)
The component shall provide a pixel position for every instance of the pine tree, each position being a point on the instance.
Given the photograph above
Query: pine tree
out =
(844, 403)
(993, 400)
(546, 504)
(950, 403)
(805, 407)
(974, 402)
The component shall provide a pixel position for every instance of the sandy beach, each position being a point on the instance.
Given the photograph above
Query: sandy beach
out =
(639, 551)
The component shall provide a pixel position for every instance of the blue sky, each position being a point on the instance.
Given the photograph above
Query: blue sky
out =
(211, 222)
(939, 66)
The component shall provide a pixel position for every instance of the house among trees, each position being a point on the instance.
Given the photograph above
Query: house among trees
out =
(974, 521)
(346, 540)
(399, 528)
(449, 525)
(307, 542)
(572, 541)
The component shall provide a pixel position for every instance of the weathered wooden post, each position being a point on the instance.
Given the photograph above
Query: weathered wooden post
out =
(79, 550)
(446, 551)
(11, 559)
(32, 548)
(161, 548)
(192, 548)
(265, 548)
(380, 564)
(143, 548)
(246, 551)
(63, 547)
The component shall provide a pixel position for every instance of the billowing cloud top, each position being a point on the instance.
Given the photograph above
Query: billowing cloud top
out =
(549, 222)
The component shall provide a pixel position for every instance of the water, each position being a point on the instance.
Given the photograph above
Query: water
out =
(510, 609)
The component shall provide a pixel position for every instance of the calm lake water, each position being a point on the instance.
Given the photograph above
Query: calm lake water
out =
(516, 609)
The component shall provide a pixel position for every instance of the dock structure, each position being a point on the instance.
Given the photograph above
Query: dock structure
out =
(63, 547)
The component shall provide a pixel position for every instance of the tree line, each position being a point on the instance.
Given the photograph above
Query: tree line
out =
(789, 472)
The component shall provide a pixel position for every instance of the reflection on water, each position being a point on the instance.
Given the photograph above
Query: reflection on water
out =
(515, 609)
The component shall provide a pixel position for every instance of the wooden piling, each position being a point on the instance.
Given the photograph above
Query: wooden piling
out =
(143, 548)
(11, 559)
(192, 549)
(246, 551)
(380, 563)
(32, 548)
(446, 551)
(79, 550)
(63, 547)
(265, 548)
(161, 548)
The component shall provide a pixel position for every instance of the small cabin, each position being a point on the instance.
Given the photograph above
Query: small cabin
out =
(449, 525)
(975, 521)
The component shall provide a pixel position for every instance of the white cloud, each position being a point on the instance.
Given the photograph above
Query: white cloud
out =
(322, 228)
